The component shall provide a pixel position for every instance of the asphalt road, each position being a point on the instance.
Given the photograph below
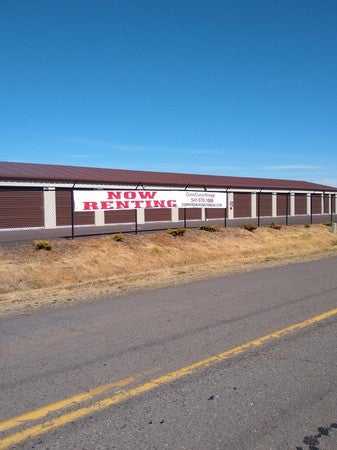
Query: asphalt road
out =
(280, 394)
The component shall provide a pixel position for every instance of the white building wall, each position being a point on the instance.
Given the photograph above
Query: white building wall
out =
(253, 205)
(292, 204)
(140, 216)
(309, 204)
(49, 201)
(230, 205)
(274, 204)
(99, 218)
(175, 214)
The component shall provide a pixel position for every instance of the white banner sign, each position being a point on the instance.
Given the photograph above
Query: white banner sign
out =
(107, 200)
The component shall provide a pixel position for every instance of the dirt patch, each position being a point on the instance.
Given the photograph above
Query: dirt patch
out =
(89, 267)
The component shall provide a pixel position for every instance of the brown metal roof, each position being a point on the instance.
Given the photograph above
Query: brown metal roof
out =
(73, 174)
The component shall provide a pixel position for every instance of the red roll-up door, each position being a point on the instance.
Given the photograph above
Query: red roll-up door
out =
(125, 216)
(282, 201)
(242, 204)
(21, 208)
(333, 202)
(191, 213)
(316, 202)
(63, 211)
(326, 203)
(215, 213)
(157, 215)
(266, 206)
(300, 203)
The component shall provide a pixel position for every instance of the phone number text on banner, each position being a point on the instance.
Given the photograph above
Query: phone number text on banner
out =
(108, 200)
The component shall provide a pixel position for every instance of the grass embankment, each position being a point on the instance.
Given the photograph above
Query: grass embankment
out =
(89, 267)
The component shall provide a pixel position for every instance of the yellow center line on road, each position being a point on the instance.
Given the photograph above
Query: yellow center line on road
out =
(170, 377)
(44, 411)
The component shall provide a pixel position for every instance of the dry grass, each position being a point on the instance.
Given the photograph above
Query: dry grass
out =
(96, 266)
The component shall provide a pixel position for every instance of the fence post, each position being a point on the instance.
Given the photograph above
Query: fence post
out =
(72, 214)
(136, 221)
(226, 209)
(287, 209)
(258, 208)
(311, 194)
(331, 215)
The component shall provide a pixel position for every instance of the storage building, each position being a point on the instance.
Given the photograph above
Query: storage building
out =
(36, 199)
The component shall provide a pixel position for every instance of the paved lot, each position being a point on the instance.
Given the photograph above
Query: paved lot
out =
(282, 395)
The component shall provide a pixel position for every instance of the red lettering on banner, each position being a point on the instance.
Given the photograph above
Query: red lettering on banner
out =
(122, 205)
(138, 203)
(106, 205)
(159, 203)
(171, 203)
(146, 194)
(148, 204)
(130, 195)
(114, 195)
(89, 206)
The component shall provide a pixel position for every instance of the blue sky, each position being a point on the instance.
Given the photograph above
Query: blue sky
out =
(238, 87)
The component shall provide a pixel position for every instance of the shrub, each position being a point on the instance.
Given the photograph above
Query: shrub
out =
(42, 245)
(275, 226)
(118, 237)
(177, 232)
(156, 250)
(250, 228)
(307, 225)
(208, 228)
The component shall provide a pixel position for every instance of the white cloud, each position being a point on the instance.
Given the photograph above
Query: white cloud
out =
(80, 155)
(89, 142)
(190, 167)
(327, 181)
(292, 167)
(104, 143)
